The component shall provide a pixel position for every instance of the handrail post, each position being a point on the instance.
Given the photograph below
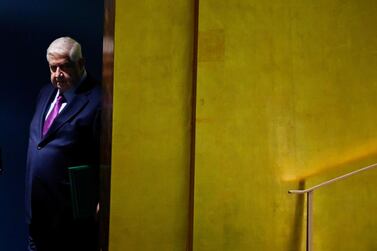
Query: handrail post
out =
(309, 220)
(309, 201)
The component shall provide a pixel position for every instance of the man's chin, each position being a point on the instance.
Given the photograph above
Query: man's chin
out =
(62, 86)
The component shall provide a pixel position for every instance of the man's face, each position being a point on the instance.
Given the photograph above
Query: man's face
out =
(64, 73)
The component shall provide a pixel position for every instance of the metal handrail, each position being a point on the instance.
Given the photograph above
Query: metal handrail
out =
(309, 203)
(332, 180)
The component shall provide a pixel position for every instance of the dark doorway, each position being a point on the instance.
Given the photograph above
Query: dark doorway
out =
(27, 27)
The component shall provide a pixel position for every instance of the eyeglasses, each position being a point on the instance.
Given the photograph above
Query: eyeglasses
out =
(62, 67)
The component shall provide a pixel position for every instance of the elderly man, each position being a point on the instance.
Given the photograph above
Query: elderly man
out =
(63, 133)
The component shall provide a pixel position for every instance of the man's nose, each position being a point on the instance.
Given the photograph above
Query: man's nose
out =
(58, 73)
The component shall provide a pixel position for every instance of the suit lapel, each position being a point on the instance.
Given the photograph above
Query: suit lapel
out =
(71, 109)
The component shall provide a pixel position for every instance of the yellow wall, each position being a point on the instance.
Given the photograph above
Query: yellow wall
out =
(151, 125)
(286, 92)
(286, 97)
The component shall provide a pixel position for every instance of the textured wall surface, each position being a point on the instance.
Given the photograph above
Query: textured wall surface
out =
(286, 98)
(151, 125)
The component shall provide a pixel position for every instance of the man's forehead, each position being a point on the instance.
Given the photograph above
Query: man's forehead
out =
(58, 59)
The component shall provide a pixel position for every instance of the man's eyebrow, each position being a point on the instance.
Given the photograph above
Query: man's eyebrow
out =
(61, 63)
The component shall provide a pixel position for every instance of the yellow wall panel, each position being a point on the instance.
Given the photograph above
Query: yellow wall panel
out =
(286, 97)
(151, 127)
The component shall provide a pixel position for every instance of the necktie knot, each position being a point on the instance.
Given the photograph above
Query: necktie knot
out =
(60, 98)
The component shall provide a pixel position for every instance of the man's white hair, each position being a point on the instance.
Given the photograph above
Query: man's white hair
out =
(65, 46)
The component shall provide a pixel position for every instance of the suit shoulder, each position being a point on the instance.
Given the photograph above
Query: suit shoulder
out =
(94, 93)
(90, 86)
(96, 90)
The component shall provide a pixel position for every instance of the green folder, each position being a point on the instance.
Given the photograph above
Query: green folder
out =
(83, 191)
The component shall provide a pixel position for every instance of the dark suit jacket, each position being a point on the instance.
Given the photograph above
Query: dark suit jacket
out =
(73, 139)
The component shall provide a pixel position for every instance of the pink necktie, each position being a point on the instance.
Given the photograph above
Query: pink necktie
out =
(52, 115)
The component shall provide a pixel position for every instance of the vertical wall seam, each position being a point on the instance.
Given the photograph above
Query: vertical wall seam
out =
(190, 239)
